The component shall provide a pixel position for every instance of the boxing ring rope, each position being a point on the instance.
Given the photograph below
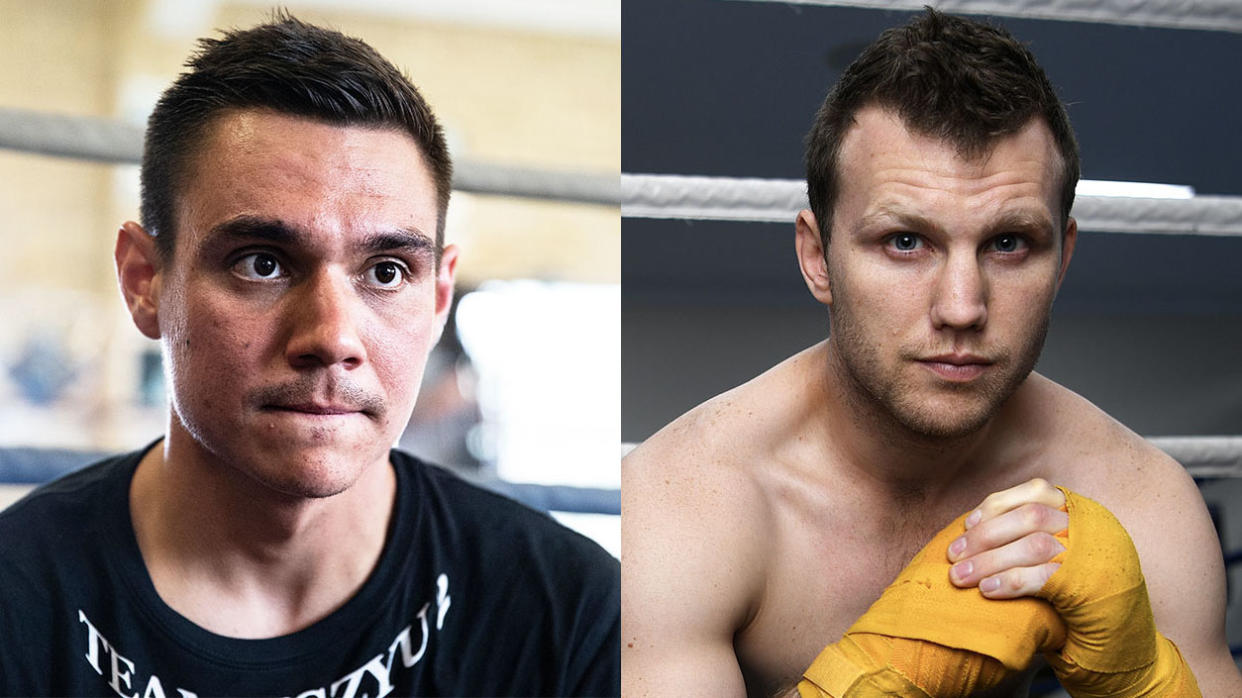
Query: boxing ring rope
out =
(1215, 15)
(113, 141)
(1204, 457)
(779, 200)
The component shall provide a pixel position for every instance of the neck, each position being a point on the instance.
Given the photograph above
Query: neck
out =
(876, 449)
(206, 529)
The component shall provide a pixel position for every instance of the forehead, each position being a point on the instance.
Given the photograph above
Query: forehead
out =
(884, 164)
(332, 180)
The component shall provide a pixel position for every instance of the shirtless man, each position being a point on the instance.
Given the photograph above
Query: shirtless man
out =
(760, 525)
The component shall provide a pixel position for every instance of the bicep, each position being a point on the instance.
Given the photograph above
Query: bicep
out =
(1185, 575)
(684, 590)
(675, 634)
(673, 667)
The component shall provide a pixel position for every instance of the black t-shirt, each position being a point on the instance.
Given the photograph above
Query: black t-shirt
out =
(474, 595)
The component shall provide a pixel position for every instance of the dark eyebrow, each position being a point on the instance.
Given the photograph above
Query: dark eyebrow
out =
(277, 231)
(407, 239)
(1023, 221)
(905, 219)
(250, 228)
(1020, 221)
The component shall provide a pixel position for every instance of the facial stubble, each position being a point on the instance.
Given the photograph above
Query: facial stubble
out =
(891, 400)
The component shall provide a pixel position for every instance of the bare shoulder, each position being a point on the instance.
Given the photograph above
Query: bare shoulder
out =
(708, 457)
(1160, 506)
(695, 539)
(1093, 453)
(690, 489)
(1150, 493)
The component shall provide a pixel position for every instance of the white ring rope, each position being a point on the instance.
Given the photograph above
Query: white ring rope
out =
(1219, 15)
(108, 140)
(711, 198)
(779, 200)
(1202, 456)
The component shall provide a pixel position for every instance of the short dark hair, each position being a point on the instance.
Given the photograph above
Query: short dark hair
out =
(958, 80)
(291, 67)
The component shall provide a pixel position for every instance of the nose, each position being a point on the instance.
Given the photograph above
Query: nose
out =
(324, 328)
(960, 300)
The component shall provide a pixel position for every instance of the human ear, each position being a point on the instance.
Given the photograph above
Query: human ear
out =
(1067, 248)
(446, 276)
(811, 257)
(138, 273)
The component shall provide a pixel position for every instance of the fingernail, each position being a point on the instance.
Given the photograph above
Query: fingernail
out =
(963, 569)
(989, 584)
(973, 518)
(956, 548)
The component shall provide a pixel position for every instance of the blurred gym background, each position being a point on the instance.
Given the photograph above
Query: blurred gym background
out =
(525, 387)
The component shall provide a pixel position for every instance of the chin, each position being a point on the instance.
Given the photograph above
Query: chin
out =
(308, 475)
(944, 424)
(955, 414)
(283, 457)
(294, 466)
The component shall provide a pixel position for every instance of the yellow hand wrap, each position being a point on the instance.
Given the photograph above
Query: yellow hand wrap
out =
(926, 637)
(1112, 647)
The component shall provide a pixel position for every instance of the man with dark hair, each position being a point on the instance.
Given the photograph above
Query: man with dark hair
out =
(763, 528)
(291, 262)
(317, 73)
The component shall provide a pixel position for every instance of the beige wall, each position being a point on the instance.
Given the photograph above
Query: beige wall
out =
(53, 57)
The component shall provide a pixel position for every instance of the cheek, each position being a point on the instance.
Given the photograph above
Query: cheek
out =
(1020, 295)
(886, 300)
(399, 365)
(209, 343)
(398, 353)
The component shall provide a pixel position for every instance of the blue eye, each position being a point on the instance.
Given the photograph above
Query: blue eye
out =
(258, 266)
(905, 242)
(1008, 243)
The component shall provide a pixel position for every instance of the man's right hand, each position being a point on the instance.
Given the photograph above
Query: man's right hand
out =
(923, 637)
(1010, 543)
(1017, 544)
(926, 637)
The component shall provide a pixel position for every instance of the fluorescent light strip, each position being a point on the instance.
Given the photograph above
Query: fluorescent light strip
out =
(1135, 190)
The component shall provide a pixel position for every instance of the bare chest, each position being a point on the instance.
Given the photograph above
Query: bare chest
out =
(825, 575)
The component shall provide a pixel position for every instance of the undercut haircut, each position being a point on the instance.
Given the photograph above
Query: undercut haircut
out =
(293, 68)
(963, 82)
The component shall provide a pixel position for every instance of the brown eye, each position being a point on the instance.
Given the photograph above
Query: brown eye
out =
(258, 266)
(386, 275)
